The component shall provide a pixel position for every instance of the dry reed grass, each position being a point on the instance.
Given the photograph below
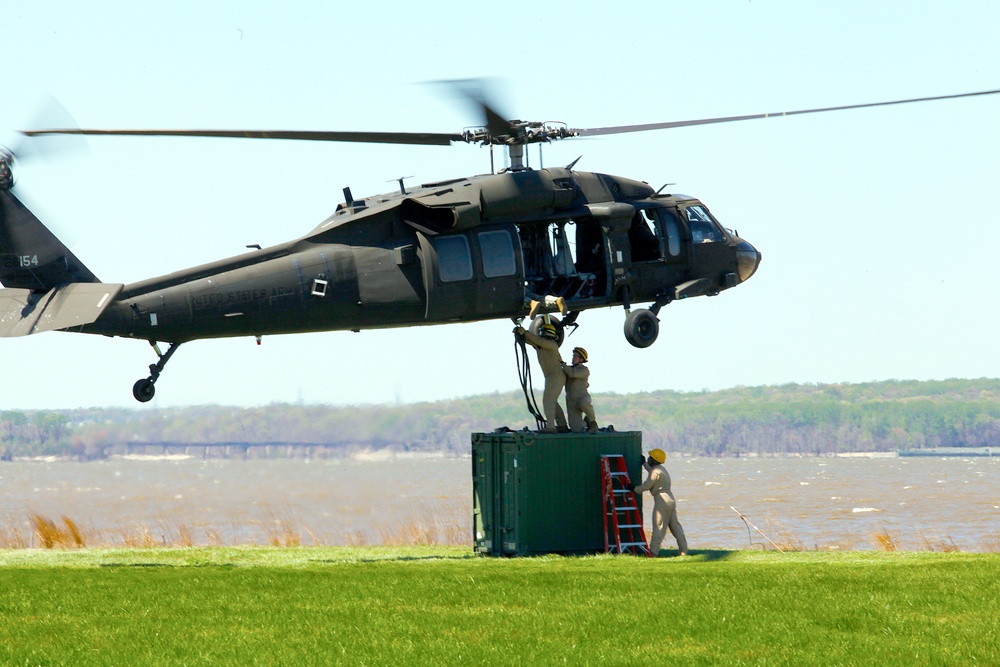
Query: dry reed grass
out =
(283, 533)
(13, 538)
(784, 538)
(184, 538)
(774, 536)
(51, 536)
(141, 537)
(214, 540)
(883, 540)
(945, 544)
(423, 528)
(312, 536)
(281, 529)
(355, 538)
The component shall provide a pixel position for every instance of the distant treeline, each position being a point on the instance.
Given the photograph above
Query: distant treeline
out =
(791, 418)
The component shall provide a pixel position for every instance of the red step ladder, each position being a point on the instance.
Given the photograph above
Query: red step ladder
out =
(623, 531)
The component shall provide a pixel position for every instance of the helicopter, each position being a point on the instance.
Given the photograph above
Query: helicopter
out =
(491, 246)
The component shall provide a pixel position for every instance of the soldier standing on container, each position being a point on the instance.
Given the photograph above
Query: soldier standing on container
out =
(546, 344)
(664, 504)
(579, 407)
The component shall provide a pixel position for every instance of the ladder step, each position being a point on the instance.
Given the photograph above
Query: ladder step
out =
(630, 525)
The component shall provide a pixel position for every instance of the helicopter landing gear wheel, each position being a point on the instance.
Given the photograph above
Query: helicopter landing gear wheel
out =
(536, 327)
(641, 327)
(143, 390)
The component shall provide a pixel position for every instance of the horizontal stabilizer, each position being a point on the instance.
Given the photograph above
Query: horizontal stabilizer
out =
(23, 312)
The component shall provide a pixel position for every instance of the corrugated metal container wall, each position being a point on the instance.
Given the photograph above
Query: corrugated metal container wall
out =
(538, 493)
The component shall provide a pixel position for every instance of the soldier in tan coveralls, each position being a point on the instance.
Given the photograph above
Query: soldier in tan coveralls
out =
(546, 344)
(579, 407)
(664, 504)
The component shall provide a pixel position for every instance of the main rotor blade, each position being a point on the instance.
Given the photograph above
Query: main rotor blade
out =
(427, 139)
(621, 129)
(475, 91)
(496, 125)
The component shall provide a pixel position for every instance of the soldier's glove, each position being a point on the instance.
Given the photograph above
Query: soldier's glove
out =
(518, 330)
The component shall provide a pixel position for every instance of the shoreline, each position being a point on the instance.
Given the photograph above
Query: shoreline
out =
(388, 454)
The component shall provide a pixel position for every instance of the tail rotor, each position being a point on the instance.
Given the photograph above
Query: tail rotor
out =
(25, 148)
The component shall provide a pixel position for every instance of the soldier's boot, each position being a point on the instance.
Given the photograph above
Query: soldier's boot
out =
(591, 426)
(535, 305)
(561, 305)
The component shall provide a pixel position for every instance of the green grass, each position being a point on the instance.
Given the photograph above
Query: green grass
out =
(442, 605)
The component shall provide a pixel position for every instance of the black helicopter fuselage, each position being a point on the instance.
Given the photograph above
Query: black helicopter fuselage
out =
(521, 242)
(470, 249)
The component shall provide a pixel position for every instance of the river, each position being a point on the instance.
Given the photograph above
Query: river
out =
(807, 503)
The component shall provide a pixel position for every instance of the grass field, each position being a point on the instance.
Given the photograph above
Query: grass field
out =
(443, 605)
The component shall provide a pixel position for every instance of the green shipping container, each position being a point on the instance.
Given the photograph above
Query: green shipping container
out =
(535, 493)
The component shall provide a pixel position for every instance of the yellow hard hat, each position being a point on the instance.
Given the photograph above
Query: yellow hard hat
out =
(582, 352)
(548, 331)
(658, 455)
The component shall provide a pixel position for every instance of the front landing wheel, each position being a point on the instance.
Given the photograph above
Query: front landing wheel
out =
(641, 327)
(143, 390)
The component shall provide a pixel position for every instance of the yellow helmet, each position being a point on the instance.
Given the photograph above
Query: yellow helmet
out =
(582, 352)
(658, 455)
(548, 330)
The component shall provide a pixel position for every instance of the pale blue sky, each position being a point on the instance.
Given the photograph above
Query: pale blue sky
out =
(879, 228)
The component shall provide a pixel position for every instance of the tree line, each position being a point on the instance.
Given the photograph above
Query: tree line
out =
(791, 418)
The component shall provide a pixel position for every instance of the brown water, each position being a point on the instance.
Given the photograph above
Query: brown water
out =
(832, 503)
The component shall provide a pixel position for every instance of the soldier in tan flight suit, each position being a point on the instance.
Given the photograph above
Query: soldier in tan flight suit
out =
(579, 407)
(664, 504)
(546, 344)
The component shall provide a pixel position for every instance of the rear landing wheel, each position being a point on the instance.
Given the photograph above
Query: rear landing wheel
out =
(143, 390)
(641, 327)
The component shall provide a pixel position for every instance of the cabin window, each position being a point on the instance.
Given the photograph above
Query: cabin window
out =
(672, 231)
(662, 224)
(454, 258)
(703, 228)
(498, 254)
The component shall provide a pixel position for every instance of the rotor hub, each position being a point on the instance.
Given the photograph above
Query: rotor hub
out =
(519, 133)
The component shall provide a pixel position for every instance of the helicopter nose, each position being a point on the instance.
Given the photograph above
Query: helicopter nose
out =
(747, 260)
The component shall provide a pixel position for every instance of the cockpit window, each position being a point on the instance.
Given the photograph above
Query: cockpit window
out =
(703, 228)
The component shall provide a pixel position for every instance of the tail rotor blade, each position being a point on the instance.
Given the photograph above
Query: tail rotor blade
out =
(50, 113)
